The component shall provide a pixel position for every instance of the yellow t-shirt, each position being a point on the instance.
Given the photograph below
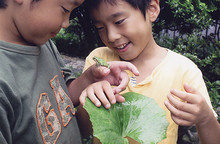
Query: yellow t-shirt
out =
(171, 73)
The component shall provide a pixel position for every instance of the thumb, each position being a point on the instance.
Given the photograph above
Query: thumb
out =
(190, 89)
(100, 71)
(123, 83)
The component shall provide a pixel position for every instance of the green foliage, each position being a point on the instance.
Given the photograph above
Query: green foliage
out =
(185, 16)
(133, 118)
(80, 38)
(214, 88)
(69, 41)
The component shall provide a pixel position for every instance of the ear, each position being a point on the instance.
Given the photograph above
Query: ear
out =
(153, 10)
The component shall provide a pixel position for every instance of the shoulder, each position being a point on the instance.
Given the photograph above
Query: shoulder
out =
(180, 60)
(180, 65)
(50, 43)
(51, 46)
(9, 91)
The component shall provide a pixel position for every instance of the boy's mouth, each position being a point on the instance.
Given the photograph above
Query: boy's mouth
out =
(53, 34)
(122, 47)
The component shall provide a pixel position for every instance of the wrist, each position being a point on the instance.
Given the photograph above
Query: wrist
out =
(86, 77)
(208, 119)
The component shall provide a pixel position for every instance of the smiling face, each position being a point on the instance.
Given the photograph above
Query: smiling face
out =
(123, 28)
(36, 22)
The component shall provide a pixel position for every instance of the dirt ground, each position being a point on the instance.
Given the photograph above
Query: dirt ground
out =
(75, 63)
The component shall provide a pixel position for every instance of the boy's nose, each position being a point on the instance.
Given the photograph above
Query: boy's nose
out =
(112, 35)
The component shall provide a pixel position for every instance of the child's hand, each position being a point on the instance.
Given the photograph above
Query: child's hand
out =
(100, 92)
(192, 110)
(115, 75)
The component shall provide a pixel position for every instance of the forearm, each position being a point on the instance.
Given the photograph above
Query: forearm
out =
(84, 122)
(76, 86)
(209, 133)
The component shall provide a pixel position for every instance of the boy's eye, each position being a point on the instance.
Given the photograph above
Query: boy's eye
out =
(119, 22)
(99, 28)
(65, 10)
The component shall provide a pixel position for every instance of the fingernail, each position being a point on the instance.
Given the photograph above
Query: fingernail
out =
(119, 90)
(113, 101)
(107, 106)
(172, 90)
(98, 104)
(105, 70)
(169, 96)
(165, 102)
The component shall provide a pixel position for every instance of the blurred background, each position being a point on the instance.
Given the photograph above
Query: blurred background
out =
(189, 27)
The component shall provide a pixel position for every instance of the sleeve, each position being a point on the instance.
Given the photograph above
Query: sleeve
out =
(5, 128)
(67, 72)
(194, 77)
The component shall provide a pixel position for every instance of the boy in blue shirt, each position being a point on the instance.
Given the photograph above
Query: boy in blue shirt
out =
(36, 106)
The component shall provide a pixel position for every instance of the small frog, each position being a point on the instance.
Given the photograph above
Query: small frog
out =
(100, 62)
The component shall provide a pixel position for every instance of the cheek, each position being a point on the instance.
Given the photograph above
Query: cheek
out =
(47, 26)
(140, 34)
(103, 37)
(37, 34)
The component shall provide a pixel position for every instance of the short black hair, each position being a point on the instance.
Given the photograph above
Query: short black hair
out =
(142, 5)
(3, 4)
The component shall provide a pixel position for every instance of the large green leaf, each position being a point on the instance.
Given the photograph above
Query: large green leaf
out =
(139, 118)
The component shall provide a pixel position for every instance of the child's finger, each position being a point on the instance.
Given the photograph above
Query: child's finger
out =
(100, 71)
(119, 98)
(100, 96)
(91, 95)
(189, 89)
(183, 106)
(190, 98)
(126, 66)
(104, 71)
(109, 93)
(132, 68)
(178, 112)
(124, 82)
(104, 93)
(82, 97)
(180, 121)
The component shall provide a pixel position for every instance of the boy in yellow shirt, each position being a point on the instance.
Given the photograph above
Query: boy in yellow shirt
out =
(125, 27)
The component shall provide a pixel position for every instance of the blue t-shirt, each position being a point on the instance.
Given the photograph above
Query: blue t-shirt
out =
(34, 104)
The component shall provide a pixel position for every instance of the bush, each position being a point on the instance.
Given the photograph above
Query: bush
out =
(72, 43)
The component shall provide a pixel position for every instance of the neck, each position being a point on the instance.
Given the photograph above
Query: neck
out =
(148, 60)
(151, 51)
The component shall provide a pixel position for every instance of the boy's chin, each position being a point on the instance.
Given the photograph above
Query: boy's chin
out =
(37, 43)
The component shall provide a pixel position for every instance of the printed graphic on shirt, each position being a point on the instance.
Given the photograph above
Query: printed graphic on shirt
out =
(133, 81)
(63, 101)
(48, 122)
(51, 120)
